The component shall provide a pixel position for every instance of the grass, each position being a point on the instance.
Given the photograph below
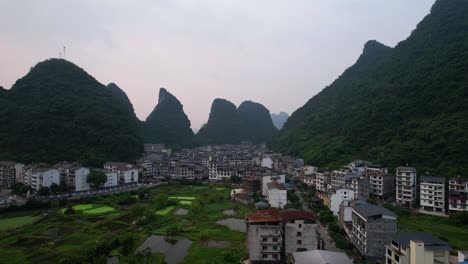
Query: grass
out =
(182, 197)
(185, 202)
(91, 209)
(165, 211)
(15, 222)
(437, 226)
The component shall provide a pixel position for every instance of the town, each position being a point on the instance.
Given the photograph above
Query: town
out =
(294, 213)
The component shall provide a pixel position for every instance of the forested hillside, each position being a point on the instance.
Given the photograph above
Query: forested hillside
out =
(58, 112)
(406, 105)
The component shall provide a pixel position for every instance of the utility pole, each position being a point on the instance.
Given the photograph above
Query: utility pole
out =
(64, 52)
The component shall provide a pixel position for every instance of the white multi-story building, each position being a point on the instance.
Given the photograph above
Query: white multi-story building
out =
(458, 195)
(268, 179)
(337, 198)
(406, 186)
(277, 195)
(77, 178)
(337, 179)
(321, 181)
(43, 177)
(432, 194)
(112, 178)
(417, 248)
(127, 173)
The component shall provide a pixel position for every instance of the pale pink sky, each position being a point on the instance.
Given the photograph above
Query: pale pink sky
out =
(275, 52)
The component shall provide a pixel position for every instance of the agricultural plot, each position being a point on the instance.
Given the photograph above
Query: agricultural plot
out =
(91, 209)
(15, 222)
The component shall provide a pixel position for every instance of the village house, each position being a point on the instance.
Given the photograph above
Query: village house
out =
(458, 195)
(432, 194)
(406, 186)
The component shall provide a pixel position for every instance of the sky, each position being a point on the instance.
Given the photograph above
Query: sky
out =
(276, 52)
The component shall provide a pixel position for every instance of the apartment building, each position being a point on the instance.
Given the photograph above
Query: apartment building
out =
(458, 195)
(417, 248)
(337, 179)
(77, 177)
(277, 195)
(372, 228)
(406, 186)
(432, 194)
(42, 176)
(359, 184)
(9, 173)
(273, 234)
(126, 172)
(322, 181)
(381, 185)
(338, 197)
(309, 179)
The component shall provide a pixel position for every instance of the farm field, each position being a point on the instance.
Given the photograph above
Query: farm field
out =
(117, 225)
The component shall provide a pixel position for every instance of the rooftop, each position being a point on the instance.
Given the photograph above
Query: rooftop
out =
(368, 210)
(275, 185)
(432, 179)
(278, 216)
(430, 242)
(320, 257)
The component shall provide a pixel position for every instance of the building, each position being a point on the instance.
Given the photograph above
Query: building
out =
(273, 234)
(458, 195)
(432, 194)
(277, 195)
(319, 256)
(77, 178)
(43, 176)
(372, 228)
(125, 171)
(112, 179)
(252, 184)
(406, 186)
(268, 179)
(417, 248)
(9, 173)
(338, 197)
(321, 181)
(381, 184)
(345, 214)
(337, 179)
(153, 148)
(360, 185)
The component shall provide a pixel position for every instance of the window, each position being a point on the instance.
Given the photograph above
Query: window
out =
(389, 252)
(275, 239)
(264, 256)
(397, 258)
(300, 225)
(275, 247)
(299, 242)
(299, 234)
(264, 248)
(265, 239)
(275, 256)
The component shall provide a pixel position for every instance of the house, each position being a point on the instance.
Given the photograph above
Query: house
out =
(359, 184)
(125, 171)
(273, 234)
(406, 186)
(268, 179)
(458, 195)
(416, 248)
(321, 181)
(10, 172)
(277, 195)
(372, 228)
(319, 257)
(432, 194)
(337, 198)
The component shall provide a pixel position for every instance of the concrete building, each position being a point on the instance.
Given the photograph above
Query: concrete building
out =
(338, 197)
(372, 228)
(322, 181)
(337, 179)
(153, 148)
(406, 186)
(417, 248)
(10, 172)
(43, 177)
(432, 194)
(319, 257)
(381, 184)
(77, 178)
(360, 185)
(268, 179)
(277, 195)
(126, 172)
(458, 195)
(273, 234)
(112, 178)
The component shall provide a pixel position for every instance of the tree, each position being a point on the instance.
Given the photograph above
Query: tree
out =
(54, 188)
(96, 179)
(235, 179)
(43, 191)
(138, 212)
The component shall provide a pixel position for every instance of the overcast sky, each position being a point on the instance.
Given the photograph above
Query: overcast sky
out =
(276, 52)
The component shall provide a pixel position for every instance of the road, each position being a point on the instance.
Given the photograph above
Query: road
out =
(323, 233)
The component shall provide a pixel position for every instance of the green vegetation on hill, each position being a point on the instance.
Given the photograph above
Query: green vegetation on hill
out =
(58, 112)
(168, 124)
(122, 97)
(395, 106)
(230, 125)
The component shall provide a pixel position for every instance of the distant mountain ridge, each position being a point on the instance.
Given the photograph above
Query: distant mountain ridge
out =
(167, 123)
(279, 119)
(406, 105)
(230, 125)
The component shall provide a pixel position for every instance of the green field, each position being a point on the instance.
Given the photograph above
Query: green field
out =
(102, 222)
(165, 211)
(15, 222)
(457, 236)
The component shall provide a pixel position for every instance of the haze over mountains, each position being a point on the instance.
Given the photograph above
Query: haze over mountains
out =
(59, 112)
(406, 105)
(279, 119)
